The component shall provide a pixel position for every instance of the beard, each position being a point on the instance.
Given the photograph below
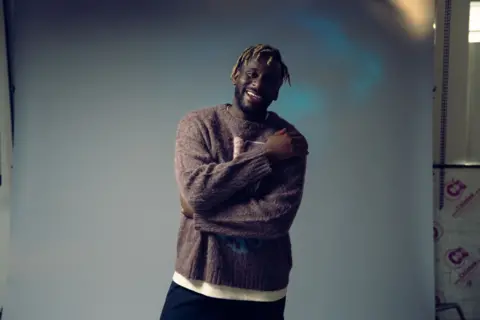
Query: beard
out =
(240, 97)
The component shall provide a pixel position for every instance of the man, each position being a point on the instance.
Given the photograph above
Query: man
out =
(240, 170)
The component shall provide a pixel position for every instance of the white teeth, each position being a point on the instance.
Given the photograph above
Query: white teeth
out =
(253, 95)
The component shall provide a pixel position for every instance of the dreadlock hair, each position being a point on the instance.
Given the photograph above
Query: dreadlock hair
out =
(257, 51)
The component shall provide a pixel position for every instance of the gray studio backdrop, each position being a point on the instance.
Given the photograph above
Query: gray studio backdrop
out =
(100, 87)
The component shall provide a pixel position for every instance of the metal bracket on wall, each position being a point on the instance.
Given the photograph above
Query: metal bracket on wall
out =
(1, 162)
(7, 17)
(456, 166)
(444, 103)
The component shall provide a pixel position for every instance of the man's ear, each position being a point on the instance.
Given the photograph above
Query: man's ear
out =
(235, 77)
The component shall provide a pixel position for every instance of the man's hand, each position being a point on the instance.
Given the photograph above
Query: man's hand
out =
(282, 145)
(187, 211)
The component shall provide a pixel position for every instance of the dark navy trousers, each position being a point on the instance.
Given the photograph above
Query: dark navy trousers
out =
(184, 304)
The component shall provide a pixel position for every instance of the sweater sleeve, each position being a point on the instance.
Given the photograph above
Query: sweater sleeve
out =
(267, 216)
(203, 183)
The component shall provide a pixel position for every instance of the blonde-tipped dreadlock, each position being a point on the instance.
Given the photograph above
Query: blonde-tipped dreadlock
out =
(254, 52)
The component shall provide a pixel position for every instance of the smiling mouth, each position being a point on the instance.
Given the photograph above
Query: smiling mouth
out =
(254, 96)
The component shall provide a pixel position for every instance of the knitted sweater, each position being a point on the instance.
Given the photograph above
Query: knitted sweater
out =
(244, 206)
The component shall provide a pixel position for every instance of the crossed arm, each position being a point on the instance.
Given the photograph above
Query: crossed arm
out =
(210, 191)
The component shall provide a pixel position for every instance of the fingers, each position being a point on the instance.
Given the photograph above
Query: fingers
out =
(301, 152)
(296, 135)
(280, 132)
(300, 142)
(294, 144)
(187, 215)
(186, 209)
(300, 145)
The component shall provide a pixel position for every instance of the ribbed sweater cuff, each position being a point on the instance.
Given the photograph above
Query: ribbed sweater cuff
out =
(259, 164)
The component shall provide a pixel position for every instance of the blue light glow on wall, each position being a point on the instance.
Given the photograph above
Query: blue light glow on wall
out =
(361, 70)
(298, 102)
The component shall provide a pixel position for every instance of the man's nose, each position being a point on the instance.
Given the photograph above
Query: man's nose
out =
(258, 83)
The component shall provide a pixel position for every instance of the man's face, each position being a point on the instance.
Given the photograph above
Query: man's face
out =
(257, 84)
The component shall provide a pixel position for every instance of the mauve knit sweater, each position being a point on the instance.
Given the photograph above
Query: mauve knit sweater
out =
(244, 206)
